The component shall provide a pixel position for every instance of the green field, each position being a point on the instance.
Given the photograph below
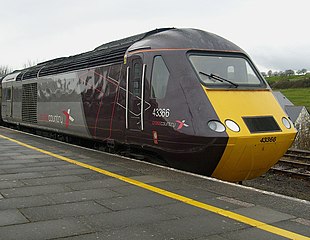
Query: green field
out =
(274, 79)
(298, 96)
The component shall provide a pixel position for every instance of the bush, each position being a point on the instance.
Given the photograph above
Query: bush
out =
(284, 84)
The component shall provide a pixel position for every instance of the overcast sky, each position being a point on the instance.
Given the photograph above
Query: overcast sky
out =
(275, 33)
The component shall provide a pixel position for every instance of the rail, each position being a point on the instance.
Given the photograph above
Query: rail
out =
(295, 163)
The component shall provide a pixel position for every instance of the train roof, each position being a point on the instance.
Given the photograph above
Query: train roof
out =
(186, 38)
(114, 51)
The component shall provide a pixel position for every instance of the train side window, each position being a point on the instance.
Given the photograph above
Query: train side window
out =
(8, 94)
(137, 75)
(160, 77)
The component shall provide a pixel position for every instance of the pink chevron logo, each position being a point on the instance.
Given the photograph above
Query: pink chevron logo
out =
(69, 118)
(181, 124)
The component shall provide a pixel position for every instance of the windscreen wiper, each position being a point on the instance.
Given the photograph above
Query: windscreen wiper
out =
(218, 78)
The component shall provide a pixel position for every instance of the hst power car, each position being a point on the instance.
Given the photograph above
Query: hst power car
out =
(191, 97)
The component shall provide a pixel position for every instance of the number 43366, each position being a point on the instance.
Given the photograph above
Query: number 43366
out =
(161, 112)
(268, 139)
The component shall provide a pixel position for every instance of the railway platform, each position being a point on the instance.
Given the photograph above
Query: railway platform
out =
(52, 190)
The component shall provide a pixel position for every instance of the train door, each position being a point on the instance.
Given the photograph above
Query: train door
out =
(135, 94)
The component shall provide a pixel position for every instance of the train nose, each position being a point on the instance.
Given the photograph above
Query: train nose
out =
(258, 130)
(251, 156)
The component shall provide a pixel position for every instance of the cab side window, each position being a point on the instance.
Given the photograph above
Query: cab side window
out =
(160, 77)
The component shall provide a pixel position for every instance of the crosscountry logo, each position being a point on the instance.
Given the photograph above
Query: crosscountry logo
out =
(181, 124)
(69, 118)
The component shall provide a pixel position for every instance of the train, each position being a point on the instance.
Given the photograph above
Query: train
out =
(190, 97)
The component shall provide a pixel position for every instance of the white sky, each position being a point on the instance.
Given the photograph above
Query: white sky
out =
(275, 33)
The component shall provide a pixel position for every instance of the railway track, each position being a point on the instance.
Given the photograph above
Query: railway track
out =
(295, 163)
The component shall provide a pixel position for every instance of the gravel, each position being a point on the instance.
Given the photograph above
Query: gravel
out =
(282, 184)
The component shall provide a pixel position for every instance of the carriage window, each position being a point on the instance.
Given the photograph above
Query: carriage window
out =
(160, 77)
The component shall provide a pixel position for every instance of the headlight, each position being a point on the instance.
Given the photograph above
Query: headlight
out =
(286, 122)
(216, 126)
(232, 125)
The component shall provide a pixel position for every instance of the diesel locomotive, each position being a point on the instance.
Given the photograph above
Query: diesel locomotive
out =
(190, 96)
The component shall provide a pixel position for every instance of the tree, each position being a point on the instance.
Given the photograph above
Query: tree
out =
(269, 73)
(302, 71)
(264, 74)
(29, 63)
(4, 70)
(289, 72)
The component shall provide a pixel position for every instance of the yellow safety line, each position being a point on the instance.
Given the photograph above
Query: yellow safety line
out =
(189, 201)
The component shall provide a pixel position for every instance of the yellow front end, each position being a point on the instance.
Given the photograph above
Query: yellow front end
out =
(249, 155)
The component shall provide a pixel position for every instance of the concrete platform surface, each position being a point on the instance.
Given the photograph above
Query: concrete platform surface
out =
(52, 190)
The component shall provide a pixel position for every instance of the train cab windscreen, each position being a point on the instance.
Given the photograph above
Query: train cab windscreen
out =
(216, 71)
